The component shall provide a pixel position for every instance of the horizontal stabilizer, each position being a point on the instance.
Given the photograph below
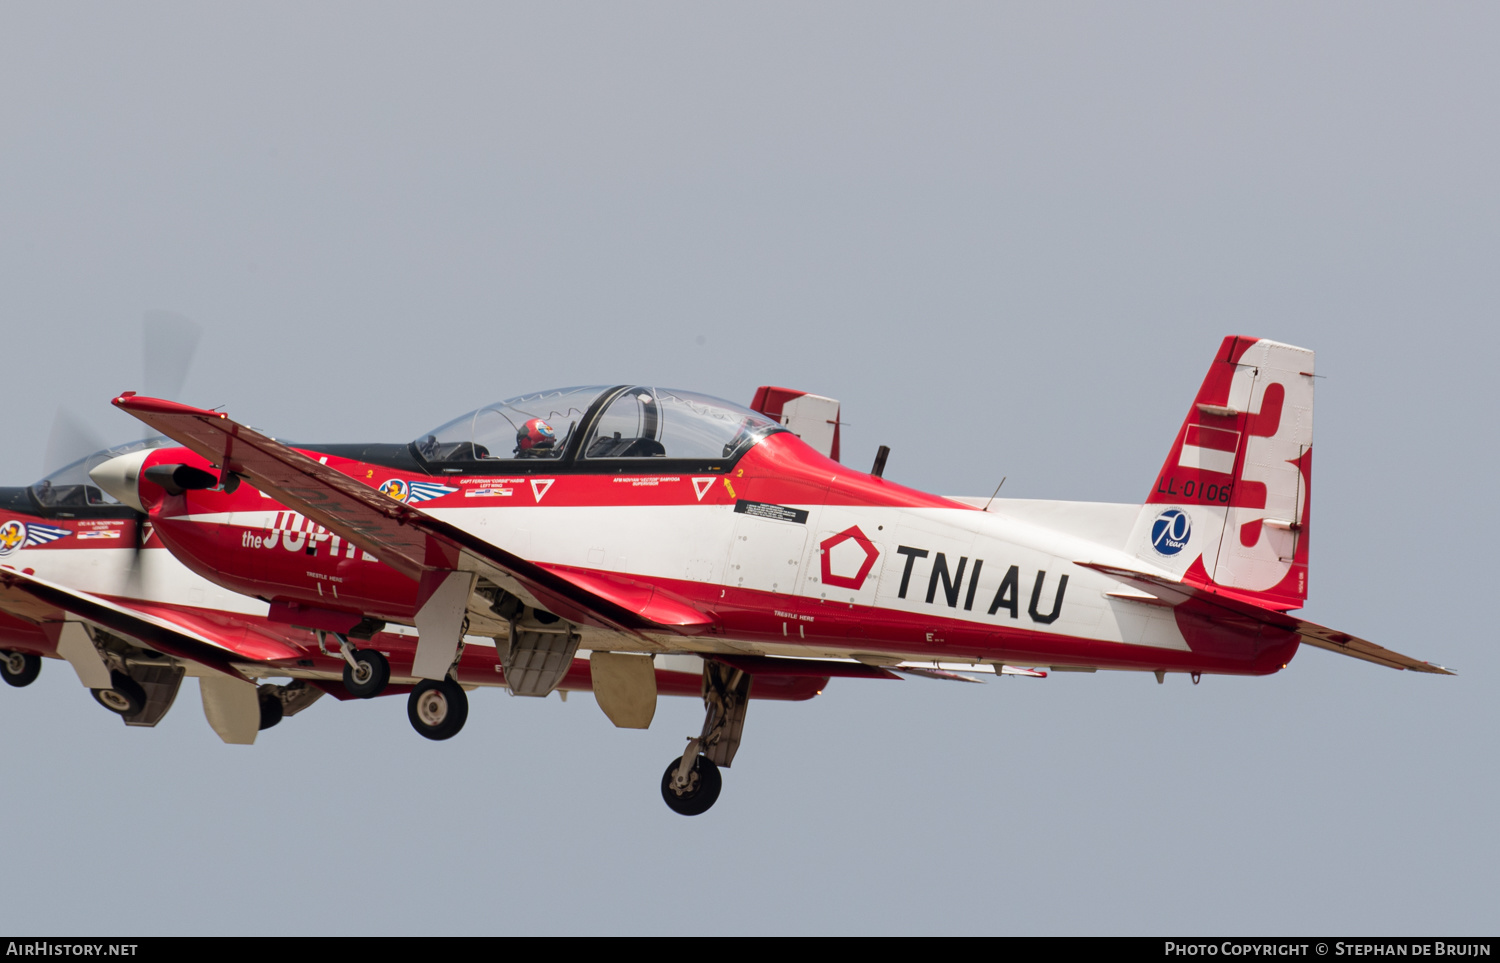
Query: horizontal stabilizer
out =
(1166, 591)
(1322, 637)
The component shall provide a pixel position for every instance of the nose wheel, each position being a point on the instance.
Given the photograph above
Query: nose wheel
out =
(692, 782)
(366, 671)
(437, 709)
(692, 793)
(20, 668)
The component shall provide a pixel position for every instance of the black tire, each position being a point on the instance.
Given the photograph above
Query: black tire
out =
(124, 697)
(271, 710)
(20, 668)
(438, 710)
(375, 673)
(703, 789)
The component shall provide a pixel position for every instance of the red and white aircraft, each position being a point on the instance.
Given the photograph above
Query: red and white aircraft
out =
(82, 579)
(125, 614)
(639, 523)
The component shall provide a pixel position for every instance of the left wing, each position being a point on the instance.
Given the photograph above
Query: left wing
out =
(38, 600)
(230, 701)
(412, 542)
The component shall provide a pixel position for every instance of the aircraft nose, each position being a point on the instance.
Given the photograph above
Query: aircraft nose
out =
(119, 476)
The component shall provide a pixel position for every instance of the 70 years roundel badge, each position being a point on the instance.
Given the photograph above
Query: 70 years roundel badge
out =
(1170, 531)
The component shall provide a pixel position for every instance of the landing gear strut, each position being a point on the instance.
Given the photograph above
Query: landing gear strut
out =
(20, 668)
(366, 671)
(437, 709)
(691, 784)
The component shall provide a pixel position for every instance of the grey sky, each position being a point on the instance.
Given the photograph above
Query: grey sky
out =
(1008, 237)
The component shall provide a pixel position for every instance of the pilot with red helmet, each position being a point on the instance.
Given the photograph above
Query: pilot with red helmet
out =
(535, 439)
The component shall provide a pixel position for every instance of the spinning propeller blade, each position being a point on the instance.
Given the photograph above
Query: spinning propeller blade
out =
(70, 440)
(169, 342)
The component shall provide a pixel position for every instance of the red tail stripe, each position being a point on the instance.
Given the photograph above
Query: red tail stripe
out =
(1201, 436)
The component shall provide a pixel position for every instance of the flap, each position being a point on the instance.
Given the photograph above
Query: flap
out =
(792, 668)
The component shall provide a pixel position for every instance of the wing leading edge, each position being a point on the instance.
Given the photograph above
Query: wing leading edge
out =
(38, 600)
(409, 540)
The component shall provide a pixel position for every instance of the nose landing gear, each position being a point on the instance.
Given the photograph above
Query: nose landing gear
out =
(20, 668)
(691, 784)
(695, 794)
(366, 671)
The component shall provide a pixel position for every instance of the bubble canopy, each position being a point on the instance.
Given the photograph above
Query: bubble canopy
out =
(71, 487)
(598, 424)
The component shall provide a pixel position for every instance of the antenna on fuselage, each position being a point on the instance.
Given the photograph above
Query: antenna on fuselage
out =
(996, 492)
(880, 456)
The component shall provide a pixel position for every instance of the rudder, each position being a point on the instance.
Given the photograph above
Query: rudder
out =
(1229, 510)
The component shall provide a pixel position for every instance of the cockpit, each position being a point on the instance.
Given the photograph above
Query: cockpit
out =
(71, 487)
(598, 425)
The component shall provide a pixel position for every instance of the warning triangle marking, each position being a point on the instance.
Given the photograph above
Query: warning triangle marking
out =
(701, 486)
(539, 486)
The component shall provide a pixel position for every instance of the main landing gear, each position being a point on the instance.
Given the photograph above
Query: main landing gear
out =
(20, 668)
(366, 671)
(125, 696)
(279, 702)
(271, 709)
(691, 784)
(437, 709)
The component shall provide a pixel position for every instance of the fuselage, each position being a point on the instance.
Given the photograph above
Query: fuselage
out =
(791, 553)
(92, 548)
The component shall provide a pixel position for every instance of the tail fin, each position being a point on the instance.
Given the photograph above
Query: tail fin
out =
(1229, 511)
